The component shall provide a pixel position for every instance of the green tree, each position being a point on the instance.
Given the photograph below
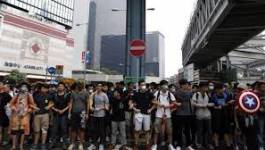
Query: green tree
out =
(15, 77)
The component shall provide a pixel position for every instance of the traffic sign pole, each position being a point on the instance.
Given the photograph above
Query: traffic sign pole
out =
(135, 29)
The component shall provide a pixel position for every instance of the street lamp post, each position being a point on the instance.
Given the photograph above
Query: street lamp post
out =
(84, 55)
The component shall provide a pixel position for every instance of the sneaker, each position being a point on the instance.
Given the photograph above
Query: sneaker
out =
(71, 147)
(178, 148)
(210, 146)
(5, 143)
(171, 147)
(34, 147)
(80, 147)
(64, 146)
(163, 143)
(107, 139)
(43, 147)
(101, 147)
(148, 147)
(51, 145)
(92, 147)
(21, 147)
(123, 148)
(154, 147)
(190, 148)
(135, 147)
(111, 147)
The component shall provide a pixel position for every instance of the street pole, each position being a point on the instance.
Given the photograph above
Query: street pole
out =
(84, 75)
(135, 29)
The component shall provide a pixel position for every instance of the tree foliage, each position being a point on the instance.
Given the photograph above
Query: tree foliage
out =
(15, 77)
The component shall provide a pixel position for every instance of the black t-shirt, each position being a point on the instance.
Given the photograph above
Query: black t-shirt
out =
(4, 99)
(143, 101)
(128, 96)
(61, 101)
(118, 109)
(42, 101)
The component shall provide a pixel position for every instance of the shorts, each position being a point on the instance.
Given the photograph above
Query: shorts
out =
(220, 122)
(142, 120)
(78, 120)
(158, 125)
(41, 123)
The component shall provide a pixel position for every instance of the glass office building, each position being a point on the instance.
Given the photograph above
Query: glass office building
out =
(59, 11)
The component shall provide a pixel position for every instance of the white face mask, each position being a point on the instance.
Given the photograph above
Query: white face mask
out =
(24, 89)
(143, 87)
(211, 87)
(164, 87)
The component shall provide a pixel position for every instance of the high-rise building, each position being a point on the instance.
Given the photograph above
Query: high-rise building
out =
(34, 35)
(80, 31)
(104, 21)
(113, 54)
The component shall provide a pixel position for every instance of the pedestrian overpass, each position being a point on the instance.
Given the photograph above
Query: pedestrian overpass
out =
(219, 26)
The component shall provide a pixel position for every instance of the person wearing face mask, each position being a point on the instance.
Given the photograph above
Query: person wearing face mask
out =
(78, 114)
(60, 115)
(211, 89)
(153, 87)
(182, 116)
(164, 101)
(201, 101)
(21, 106)
(118, 125)
(129, 93)
(220, 122)
(43, 101)
(99, 105)
(142, 106)
(172, 88)
(106, 90)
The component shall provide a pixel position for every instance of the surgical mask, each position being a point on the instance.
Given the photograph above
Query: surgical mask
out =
(23, 89)
(143, 87)
(164, 87)
(90, 91)
(173, 90)
(211, 87)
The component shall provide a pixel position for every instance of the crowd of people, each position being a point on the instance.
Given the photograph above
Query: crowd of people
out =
(176, 116)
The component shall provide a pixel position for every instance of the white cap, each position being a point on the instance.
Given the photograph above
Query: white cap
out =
(241, 85)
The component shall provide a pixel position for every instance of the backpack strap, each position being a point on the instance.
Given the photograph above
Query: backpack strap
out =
(169, 96)
(93, 100)
(158, 96)
(197, 96)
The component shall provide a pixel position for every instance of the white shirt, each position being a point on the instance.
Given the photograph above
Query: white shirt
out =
(163, 99)
(201, 113)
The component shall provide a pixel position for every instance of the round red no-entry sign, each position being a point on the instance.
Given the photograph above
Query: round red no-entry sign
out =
(137, 47)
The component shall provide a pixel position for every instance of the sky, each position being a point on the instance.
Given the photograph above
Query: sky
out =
(171, 18)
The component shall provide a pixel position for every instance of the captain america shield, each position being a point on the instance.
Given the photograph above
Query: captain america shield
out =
(249, 102)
